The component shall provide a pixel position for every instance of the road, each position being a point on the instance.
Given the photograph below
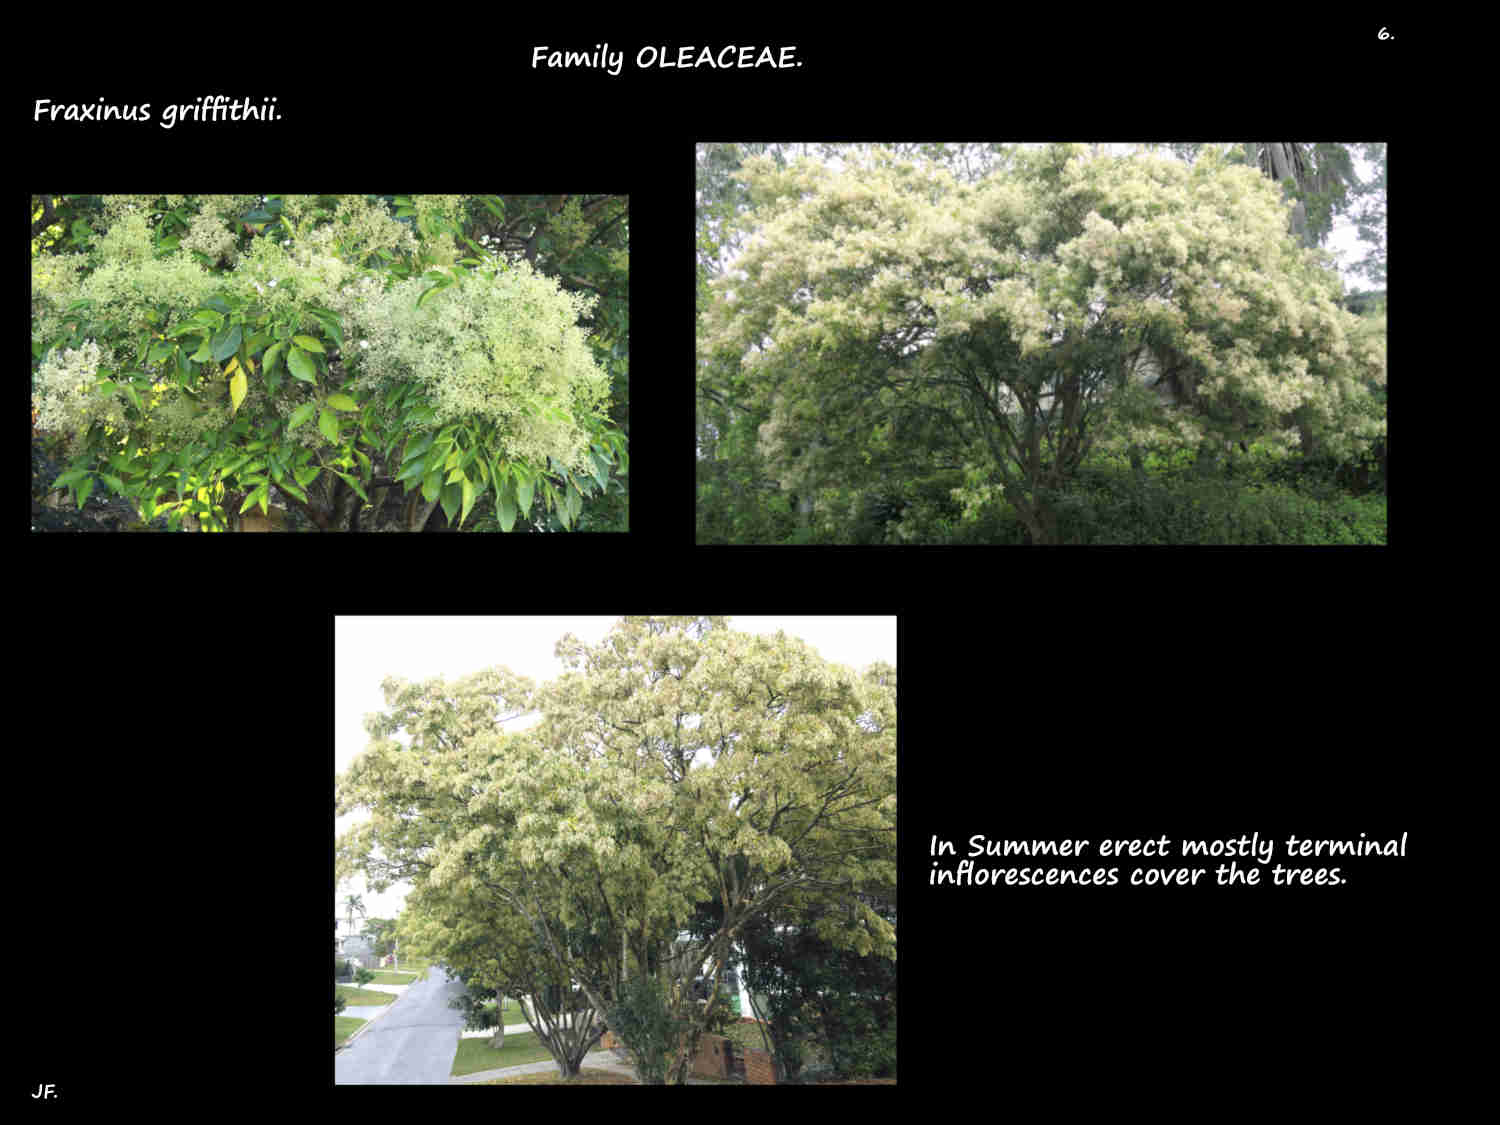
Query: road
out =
(413, 1044)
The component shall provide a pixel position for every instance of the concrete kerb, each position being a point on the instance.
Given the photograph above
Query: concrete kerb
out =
(396, 989)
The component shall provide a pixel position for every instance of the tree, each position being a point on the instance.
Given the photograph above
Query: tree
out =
(352, 906)
(1319, 179)
(740, 497)
(811, 989)
(675, 761)
(1014, 320)
(192, 355)
(382, 935)
(1321, 182)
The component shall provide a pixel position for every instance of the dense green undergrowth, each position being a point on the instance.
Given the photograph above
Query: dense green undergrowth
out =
(1114, 511)
(1257, 502)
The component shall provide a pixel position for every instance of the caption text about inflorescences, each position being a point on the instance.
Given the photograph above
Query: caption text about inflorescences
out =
(1302, 862)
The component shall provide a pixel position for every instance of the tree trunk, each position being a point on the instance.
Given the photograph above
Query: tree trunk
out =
(498, 1039)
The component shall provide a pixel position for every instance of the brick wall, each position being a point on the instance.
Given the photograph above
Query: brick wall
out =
(760, 1067)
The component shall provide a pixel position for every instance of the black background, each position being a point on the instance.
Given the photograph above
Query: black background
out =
(1044, 694)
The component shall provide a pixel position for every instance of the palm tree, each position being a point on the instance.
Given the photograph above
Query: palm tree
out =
(354, 906)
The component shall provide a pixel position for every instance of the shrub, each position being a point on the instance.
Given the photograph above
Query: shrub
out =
(217, 359)
(860, 1047)
(1116, 509)
(643, 1022)
(339, 1003)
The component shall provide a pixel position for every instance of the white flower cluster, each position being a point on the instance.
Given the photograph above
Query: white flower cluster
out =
(506, 348)
(1199, 256)
(66, 403)
(504, 344)
(211, 236)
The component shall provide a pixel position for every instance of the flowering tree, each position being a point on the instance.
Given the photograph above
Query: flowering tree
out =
(327, 351)
(677, 762)
(1017, 320)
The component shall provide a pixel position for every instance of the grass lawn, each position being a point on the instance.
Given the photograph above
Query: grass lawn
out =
(587, 1076)
(513, 1013)
(363, 996)
(343, 1027)
(475, 1055)
(390, 976)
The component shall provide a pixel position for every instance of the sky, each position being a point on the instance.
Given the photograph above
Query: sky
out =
(367, 649)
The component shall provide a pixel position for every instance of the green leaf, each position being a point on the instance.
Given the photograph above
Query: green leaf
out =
(352, 482)
(226, 343)
(288, 486)
(236, 392)
(413, 471)
(431, 290)
(523, 492)
(505, 504)
(432, 486)
(301, 366)
(469, 494)
(309, 343)
(69, 479)
(84, 489)
(342, 402)
(330, 322)
(329, 425)
(420, 446)
(300, 415)
(452, 500)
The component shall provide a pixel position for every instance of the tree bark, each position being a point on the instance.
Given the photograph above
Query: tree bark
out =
(498, 1039)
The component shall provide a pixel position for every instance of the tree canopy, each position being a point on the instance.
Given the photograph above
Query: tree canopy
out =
(677, 762)
(892, 313)
(330, 350)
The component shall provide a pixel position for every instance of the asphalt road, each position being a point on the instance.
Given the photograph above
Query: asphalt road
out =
(413, 1044)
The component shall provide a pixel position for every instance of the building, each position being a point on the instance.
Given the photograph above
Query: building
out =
(357, 948)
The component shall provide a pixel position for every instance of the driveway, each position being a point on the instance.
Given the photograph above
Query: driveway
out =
(412, 1044)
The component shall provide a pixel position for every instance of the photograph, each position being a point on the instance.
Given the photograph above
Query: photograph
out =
(330, 363)
(1041, 343)
(651, 850)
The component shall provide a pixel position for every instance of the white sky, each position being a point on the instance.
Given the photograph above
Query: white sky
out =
(367, 649)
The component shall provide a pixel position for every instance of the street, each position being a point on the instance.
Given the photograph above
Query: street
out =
(413, 1044)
